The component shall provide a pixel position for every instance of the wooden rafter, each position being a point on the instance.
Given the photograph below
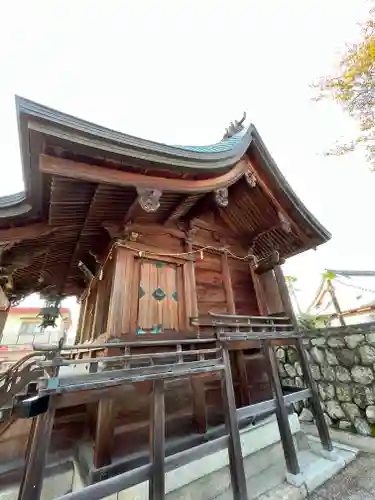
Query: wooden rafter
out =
(83, 227)
(92, 173)
(131, 210)
(29, 232)
(183, 207)
(282, 212)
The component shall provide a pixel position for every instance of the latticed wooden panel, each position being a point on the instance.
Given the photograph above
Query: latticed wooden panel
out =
(158, 300)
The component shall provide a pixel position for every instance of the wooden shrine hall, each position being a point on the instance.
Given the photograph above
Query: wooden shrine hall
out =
(169, 249)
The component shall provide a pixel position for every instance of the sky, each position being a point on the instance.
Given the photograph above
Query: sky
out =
(179, 72)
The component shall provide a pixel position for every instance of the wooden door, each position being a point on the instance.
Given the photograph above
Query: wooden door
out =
(158, 301)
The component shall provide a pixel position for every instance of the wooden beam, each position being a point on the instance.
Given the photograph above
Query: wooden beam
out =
(29, 232)
(92, 173)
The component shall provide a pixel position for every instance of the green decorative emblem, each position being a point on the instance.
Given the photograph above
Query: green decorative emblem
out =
(160, 265)
(141, 292)
(159, 294)
(174, 296)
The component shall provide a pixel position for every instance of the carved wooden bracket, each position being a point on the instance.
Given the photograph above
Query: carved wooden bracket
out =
(149, 199)
(251, 179)
(221, 197)
(268, 263)
(285, 223)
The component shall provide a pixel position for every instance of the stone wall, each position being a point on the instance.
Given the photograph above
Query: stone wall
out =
(342, 362)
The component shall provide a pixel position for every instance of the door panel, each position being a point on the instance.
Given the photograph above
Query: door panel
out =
(158, 300)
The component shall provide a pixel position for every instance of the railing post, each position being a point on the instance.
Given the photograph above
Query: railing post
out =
(237, 471)
(281, 412)
(38, 444)
(36, 453)
(157, 441)
(315, 401)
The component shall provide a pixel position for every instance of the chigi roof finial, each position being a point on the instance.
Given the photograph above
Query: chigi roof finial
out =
(235, 127)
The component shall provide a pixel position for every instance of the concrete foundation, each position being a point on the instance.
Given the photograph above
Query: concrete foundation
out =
(209, 477)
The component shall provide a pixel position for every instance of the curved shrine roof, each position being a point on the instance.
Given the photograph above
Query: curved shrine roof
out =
(66, 191)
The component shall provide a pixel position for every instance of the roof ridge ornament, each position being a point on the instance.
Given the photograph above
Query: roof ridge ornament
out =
(235, 127)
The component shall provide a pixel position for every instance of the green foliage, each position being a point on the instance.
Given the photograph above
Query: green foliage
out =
(290, 279)
(50, 312)
(311, 322)
(353, 87)
(329, 276)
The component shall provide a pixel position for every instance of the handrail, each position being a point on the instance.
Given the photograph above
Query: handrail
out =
(130, 343)
(19, 363)
(242, 316)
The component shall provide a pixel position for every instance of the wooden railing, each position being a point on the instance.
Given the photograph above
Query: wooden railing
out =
(178, 359)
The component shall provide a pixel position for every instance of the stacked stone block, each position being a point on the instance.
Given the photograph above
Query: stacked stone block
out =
(342, 361)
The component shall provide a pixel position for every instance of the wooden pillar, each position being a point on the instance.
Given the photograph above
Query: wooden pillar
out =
(273, 303)
(286, 436)
(259, 293)
(197, 383)
(87, 317)
(199, 404)
(3, 320)
(231, 306)
(118, 324)
(157, 442)
(81, 318)
(36, 454)
(284, 294)
(4, 309)
(238, 355)
(236, 466)
(190, 287)
(335, 302)
(104, 433)
(99, 310)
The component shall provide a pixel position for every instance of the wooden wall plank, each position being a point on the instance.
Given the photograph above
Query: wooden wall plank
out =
(119, 309)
